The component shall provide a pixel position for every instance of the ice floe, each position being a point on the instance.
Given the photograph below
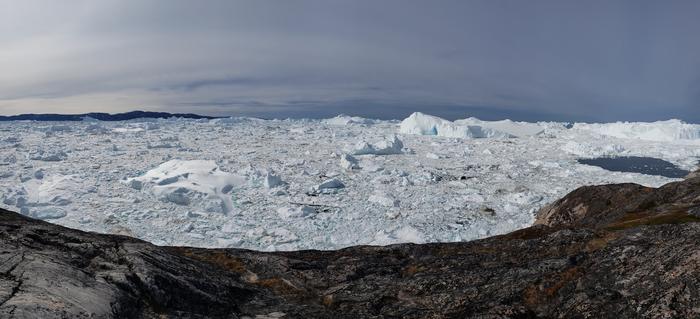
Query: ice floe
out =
(190, 182)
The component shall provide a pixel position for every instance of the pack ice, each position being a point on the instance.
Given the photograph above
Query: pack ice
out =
(315, 184)
(662, 131)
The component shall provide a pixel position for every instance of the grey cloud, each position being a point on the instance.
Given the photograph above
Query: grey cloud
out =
(568, 60)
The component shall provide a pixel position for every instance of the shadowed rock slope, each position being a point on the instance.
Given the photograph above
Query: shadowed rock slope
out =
(622, 251)
(101, 116)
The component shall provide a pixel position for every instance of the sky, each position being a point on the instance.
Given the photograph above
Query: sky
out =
(593, 60)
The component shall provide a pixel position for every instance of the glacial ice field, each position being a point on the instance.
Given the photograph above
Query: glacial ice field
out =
(315, 184)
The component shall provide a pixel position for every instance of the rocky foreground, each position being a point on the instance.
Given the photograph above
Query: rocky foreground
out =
(602, 251)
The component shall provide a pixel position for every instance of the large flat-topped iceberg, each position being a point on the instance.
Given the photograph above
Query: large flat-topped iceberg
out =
(662, 131)
(423, 124)
(517, 129)
(186, 182)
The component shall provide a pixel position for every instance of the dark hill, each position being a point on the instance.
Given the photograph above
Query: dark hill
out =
(614, 251)
(101, 116)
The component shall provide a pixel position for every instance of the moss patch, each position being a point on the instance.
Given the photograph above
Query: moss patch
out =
(538, 294)
(219, 259)
(411, 270)
(599, 242)
(565, 278)
(640, 219)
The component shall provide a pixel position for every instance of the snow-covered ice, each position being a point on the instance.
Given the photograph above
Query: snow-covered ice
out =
(384, 199)
(387, 146)
(662, 131)
(349, 162)
(322, 184)
(196, 182)
(346, 120)
(422, 124)
(514, 129)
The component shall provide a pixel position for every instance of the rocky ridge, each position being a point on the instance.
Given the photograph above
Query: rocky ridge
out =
(601, 251)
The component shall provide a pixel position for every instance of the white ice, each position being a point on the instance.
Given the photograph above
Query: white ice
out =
(422, 124)
(196, 182)
(322, 184)
(662, 131)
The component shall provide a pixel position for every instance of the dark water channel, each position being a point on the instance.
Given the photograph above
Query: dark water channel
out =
(635, 164)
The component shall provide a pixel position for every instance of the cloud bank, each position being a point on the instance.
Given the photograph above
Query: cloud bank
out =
(559, 60)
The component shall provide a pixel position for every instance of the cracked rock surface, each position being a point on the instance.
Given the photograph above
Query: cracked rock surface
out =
(621, 251)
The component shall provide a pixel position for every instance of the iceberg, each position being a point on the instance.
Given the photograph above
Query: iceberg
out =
(389, 146)
(423, 124)
(190, 182)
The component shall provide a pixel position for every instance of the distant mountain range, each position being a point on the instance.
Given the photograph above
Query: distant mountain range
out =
(101, 116)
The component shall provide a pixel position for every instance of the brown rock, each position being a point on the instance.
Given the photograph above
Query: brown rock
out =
(694, 174)
(614, 251)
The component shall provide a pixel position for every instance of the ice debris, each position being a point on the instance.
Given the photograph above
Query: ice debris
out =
(48, 156)
(47, 213)
(270, 180)
(295, 212)
(329, 186)
(349, 162)
(384, 199)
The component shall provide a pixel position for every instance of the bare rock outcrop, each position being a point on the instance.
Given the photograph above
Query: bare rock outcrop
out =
(615, 251)
(694, 174)
(605, 205)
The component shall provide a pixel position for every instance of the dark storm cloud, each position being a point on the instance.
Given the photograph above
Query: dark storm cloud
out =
(561, 60)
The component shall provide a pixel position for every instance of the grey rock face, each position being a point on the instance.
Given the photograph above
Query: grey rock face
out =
(616, 251)
(694, 174)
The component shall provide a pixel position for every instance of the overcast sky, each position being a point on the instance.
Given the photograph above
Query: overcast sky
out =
(551, 60)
